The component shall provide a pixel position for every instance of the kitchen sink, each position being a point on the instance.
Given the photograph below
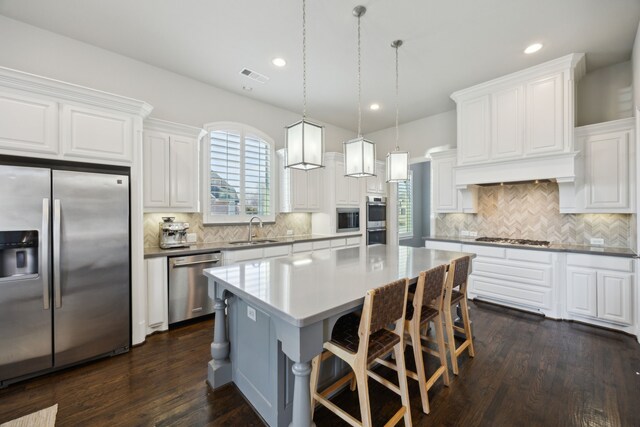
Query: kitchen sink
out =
(253, 242)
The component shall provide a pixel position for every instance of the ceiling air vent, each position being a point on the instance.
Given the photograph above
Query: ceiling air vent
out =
(254, 76)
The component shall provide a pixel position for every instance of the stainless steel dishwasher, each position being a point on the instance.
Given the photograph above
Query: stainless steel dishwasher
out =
(188, 293)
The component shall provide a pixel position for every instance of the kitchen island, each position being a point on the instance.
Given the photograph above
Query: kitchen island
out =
(280, 311)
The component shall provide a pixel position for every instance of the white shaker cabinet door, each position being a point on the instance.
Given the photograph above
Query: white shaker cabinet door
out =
(315, 186)
(354, 191)
(445, 194)
(341, 185)
(156, 170)
(615, 297)
(299, 189)
(28, 125)
(183, 166)
(581, 291)
(96, 135)
(544, 115)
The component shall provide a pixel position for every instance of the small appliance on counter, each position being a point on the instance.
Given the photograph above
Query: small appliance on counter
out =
(173, 234)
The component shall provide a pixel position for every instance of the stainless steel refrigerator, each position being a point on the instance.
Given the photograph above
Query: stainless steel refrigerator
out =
(64, 268)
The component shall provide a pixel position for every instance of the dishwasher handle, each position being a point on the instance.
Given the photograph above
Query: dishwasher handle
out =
(185, 264)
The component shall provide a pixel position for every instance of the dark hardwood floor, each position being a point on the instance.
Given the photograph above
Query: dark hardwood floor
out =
(527, 371)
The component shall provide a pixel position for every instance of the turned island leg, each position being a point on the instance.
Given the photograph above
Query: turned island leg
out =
(219, 366)
(301, 395)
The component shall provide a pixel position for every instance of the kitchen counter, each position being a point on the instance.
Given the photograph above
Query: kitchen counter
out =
(555, 247)
(201, 248)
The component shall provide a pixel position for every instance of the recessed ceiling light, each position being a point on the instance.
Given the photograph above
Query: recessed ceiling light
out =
(279, 62)
(374, 107)
(533, 48)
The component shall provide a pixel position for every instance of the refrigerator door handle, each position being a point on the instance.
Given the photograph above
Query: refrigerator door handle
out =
(56, 253)
(44, 237)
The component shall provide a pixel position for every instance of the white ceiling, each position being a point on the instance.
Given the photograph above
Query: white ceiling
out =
(449, 45)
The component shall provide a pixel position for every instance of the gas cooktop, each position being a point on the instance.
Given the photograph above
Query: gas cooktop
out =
(525, 242)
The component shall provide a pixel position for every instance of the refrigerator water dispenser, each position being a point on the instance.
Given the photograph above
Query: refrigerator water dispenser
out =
(18, 254)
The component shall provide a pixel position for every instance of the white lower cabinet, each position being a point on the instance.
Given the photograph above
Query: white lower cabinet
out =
(520, 278)
(156, 274)
(600, 288)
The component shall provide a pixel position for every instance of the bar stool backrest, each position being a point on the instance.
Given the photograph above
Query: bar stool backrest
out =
(460, 267)
(387, 304)
(434, 281)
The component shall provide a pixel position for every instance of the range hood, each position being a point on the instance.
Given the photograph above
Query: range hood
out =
(558, 167)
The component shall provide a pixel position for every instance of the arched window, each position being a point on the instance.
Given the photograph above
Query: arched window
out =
(237, 174)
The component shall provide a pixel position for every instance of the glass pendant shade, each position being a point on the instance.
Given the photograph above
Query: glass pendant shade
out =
(359, 158)
(397, 166)
(305, 145)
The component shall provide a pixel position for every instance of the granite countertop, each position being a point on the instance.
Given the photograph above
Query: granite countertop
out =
(202, 248)
(555, 247)
(305, 288)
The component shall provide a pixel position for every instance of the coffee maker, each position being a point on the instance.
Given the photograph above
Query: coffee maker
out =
(173, 234)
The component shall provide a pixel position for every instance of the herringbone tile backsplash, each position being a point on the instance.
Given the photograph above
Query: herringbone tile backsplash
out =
(300, 223)
(531, 211)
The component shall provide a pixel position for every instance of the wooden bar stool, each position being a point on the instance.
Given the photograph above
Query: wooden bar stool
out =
(456, 292)
(359, 341)
(426, 306)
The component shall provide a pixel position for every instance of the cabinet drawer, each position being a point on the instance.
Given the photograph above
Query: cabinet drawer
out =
(516, 273)
(302, 247)
(338, 243)
(353, 241)
(244, 255)
(600, 262)
(275, 251)
(443, 246)
(324, 244)
(511, 292)
(530, 256)
(488, 251)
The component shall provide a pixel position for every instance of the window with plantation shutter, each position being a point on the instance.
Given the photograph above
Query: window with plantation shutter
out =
(238, 174)
(405, 208)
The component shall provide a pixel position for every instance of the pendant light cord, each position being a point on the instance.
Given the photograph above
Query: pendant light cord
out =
(359, 86)
(304, 60)
(397, 104)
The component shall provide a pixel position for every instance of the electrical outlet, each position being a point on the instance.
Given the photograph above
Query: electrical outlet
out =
(597, 241)
(473, 234)
(251, 313)
(464, 233)
(192, 237)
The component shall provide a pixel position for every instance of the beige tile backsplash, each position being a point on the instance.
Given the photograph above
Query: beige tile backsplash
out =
(531, 211)
(300, 223)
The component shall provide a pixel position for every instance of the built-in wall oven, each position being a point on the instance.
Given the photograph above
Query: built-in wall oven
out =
(376, 220)
(347, 219)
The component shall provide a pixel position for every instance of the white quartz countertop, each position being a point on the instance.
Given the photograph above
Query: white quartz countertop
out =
(306, 288)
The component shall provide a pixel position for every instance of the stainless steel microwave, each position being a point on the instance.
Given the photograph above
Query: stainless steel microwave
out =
(347, 219)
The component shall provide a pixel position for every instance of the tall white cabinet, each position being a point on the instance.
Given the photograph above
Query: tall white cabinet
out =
(300, 191)
(170, 153)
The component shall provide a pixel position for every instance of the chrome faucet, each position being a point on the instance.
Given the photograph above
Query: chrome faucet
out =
(250, 225)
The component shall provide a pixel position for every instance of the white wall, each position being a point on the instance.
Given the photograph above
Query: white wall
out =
(635, 65)
(174, 97)
(605, 94)
(418, 136)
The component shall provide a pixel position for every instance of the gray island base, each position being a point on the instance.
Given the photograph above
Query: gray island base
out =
(278, 312)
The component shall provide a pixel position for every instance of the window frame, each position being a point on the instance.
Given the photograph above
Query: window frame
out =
(405, 235)
(205, 177)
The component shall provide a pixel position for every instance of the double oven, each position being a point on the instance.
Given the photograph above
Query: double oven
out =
(376, 220)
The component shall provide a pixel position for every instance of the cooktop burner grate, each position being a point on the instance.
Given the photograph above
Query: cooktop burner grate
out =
(525, 242)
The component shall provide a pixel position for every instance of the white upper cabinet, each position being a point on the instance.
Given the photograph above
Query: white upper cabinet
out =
(89, 133)
(474, 130)
(170, 166)
(300, 191)
(28, 124)
(445, 194)
(377, 184)
(347, 188)
(507, 123)
(44, 118)
(608, 164)
(525, 114)
(545, 116)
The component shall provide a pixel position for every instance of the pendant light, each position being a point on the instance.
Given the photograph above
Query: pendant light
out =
(304, 140)
(397, 161)
(359, 153)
